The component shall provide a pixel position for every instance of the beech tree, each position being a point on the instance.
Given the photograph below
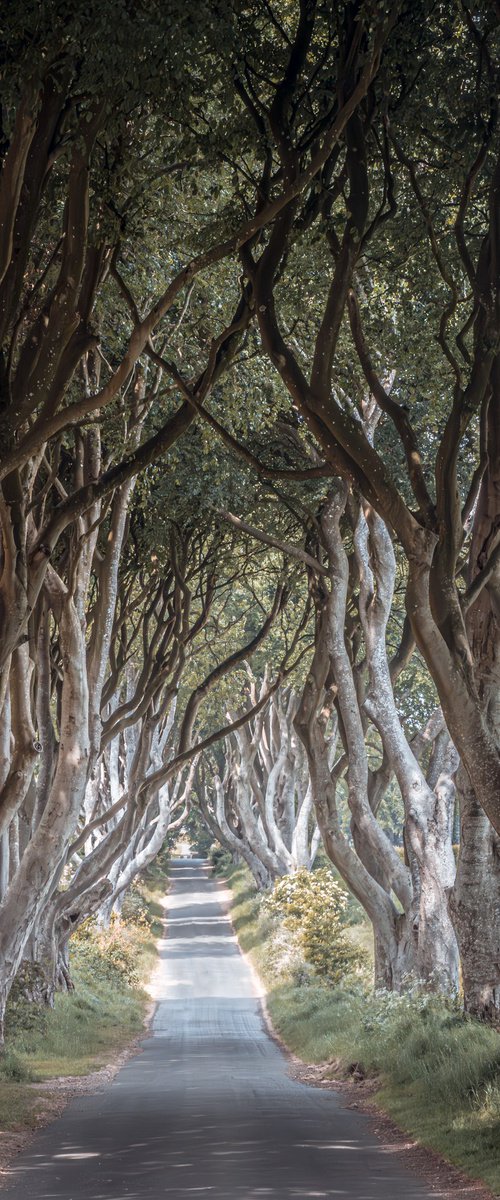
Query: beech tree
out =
(261, 809)
(413, 937)
(346, 701)
(432, 533)
(70, 112)
(406, 212)
(122, 639)
(231, 247)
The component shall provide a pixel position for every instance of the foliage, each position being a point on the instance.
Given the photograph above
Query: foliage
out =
(13, 1069)
(276, 950)
(354, 913)
(221, 860)
(311, 906)
(199, 836)
(109, 954)
(175, 164)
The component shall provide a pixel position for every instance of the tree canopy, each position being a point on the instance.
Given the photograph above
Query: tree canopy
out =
(250, 460)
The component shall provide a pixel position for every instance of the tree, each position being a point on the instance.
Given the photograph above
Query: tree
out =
(351, 727)
(164, 314)
(432, 535)
(262, 808)
(411, 232)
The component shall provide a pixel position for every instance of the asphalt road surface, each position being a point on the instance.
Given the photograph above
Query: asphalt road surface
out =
(208, 1108)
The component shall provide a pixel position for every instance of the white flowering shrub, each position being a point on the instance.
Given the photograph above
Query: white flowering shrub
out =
(284, 955)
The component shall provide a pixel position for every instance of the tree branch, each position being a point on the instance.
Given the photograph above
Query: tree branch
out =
(269, 540)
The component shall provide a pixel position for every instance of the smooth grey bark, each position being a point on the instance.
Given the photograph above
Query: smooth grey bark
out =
(414, 938)
(239, 843)
(428, 810)
(263, 808)
(172, 809)
(23, 754)
(29, 888)
(475, 900)
(393, 943)
(476, 910)
(475, 907)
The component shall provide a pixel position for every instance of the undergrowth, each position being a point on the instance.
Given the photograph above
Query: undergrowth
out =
(438, 1071)
(94, 1021)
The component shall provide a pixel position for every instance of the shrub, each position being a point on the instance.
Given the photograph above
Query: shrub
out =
(135, 909)
(109, 954)
(221, 860)
(311, 906)
(13, 1069)
(285, 957)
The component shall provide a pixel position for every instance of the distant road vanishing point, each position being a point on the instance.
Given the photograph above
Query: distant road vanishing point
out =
(208, 1108)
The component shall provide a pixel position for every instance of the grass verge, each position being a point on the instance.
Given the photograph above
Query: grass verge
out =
(96, 1021)
(438, 1072)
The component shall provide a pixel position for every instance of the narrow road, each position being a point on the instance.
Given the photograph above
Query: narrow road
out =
(208, 1108)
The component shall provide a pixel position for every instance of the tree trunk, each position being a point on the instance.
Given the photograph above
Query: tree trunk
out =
(394, 946)
(475, 901)
(28, 890)
(428, 809)
(475, 907)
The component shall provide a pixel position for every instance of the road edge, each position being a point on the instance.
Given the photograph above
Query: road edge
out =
(442, 1177)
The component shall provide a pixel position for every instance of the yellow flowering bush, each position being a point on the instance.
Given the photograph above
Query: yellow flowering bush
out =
(311, 905)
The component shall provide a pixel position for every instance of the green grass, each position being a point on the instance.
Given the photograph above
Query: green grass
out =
(88, 1026)
(438, 1072)
(361, 935)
